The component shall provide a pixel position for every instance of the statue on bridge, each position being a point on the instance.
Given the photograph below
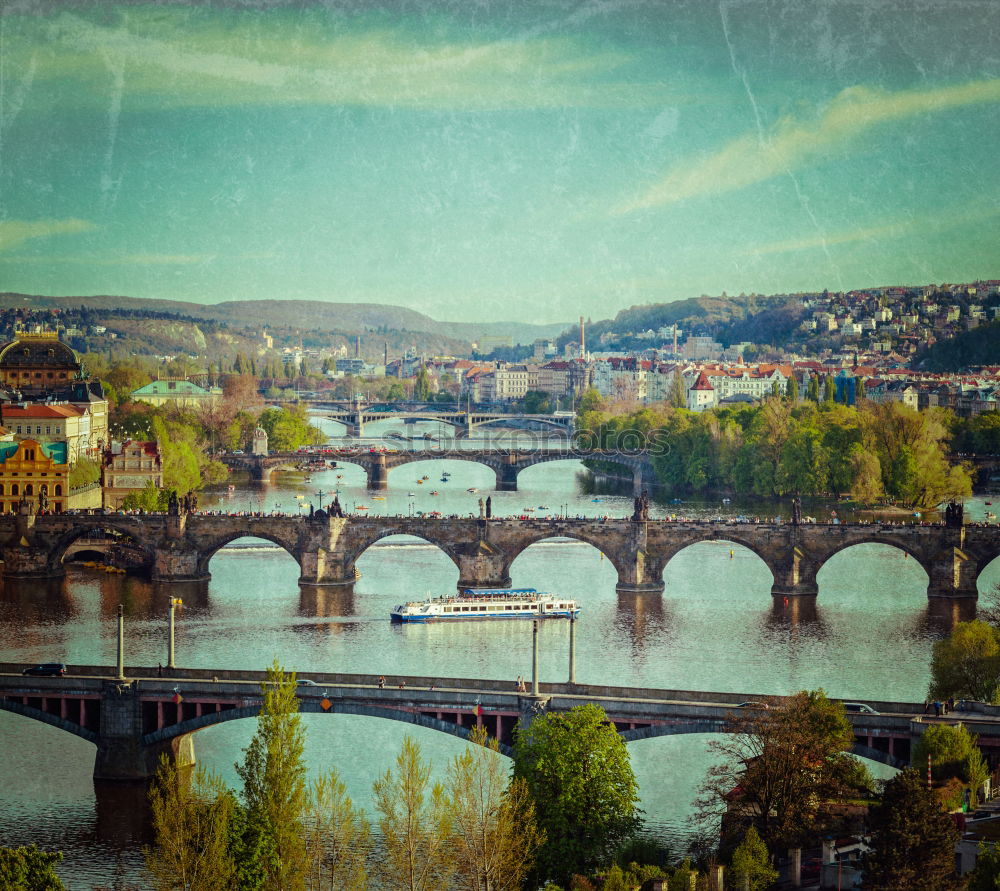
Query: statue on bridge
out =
(335, 509)
(640, 509)
(43, 500)
(190, 503)
(173, 505)
(954, 515)
(796, 510)
(482, 509)
(489, 507)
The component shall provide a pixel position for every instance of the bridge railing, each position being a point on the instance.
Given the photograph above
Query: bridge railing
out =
(596, 691)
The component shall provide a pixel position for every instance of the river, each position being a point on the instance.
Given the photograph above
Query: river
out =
(713, 629)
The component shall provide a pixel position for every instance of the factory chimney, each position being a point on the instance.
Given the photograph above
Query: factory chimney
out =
(357, 348)
(583, 341)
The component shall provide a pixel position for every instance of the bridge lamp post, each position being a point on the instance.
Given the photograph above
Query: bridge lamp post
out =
(534, 657)
(174, 603)
(121, 643)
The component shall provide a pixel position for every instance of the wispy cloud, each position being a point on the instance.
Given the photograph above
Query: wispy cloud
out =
(16, 232)
(792, 143)
(946, 218)
(202, 63)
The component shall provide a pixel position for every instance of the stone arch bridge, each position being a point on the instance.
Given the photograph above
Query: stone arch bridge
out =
(506, 464)
(132, 721)
(179, 548)
(354, 417)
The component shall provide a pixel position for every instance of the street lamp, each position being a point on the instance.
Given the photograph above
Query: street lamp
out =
(174, 603)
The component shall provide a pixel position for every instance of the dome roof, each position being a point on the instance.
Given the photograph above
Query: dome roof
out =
(45, 352)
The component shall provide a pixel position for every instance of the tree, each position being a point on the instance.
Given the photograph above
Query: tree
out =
(339, 838)
(786, 762)
(829, 389)
(792, 389)
(149, 498)
(812, 390)
(416, 829)
(495, 833)
(966, 664)
(288, 428)
(537, 402)
(578, 774)
(912, 839)
(85, 472)
(422, 385)
(591, 400)
(986, 875)
(273, 775)
(751, 866)
(678, 395)
(191, 817)
(953, 753)
(29, 869)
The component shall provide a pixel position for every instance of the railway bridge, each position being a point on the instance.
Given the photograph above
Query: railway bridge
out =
(178, 548)
(134, 719)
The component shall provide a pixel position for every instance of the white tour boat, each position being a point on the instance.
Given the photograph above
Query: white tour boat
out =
(492, 603)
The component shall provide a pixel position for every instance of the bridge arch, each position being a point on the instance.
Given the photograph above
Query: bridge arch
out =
(359, 549)
(58, 551)
(208, 551)
(729, 535)
(719, 726)
(27, 711)
(555, 426)
(544, 535)
(921, 560)
(310, 706)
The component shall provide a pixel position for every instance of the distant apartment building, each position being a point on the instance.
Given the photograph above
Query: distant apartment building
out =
(180, 393)
(51, 424)
(129, 467)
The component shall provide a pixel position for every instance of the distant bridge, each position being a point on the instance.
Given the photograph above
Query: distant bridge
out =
(355, 415)
(179, 548)
(505, 463)
(133, 721)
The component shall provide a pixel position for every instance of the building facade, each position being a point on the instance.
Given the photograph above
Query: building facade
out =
(129, 467)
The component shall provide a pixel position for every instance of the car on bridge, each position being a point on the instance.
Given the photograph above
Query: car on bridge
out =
(45, 670)
(859, 708)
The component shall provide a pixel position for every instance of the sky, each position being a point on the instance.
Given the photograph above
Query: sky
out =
(486, 160)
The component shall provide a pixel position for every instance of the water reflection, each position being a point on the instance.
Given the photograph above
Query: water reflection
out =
(792, 612)
(123, 818)
(325, 602)
(645, 621)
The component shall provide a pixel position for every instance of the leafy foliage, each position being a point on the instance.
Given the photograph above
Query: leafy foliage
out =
(274, 789)
(751, 866)
(778, 767)
(953, 753)
(966, 664)
(191, 820)
(29, 869)
(416, 827)
(578, 774)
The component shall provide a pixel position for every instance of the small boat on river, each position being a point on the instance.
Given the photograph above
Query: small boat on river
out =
(492, 603)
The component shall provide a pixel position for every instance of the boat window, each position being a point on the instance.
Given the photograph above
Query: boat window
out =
(447, 609)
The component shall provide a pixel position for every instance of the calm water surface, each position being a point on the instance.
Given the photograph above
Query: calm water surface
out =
(713, 629)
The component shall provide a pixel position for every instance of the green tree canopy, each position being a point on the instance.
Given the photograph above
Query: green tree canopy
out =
(966, 664)
(29, 869)
(578, 774)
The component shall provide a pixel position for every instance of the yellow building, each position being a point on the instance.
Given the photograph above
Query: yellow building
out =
(30, 468)
(130, 469)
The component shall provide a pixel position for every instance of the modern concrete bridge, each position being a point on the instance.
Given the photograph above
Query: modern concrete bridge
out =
(179, 548)
(506, 464)
(133, 721)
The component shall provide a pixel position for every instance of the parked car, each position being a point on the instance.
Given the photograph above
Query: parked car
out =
(763, 705)
(859, 708)
(46, 670)
(305, 682)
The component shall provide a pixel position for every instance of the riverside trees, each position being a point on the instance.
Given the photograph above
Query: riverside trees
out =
(781, 447)
(475, 832)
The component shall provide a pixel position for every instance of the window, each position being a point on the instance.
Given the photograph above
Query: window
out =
(38, 428)
(29, 489)
(18, 428)
(14, 489)
(48, 429)
(58, 489)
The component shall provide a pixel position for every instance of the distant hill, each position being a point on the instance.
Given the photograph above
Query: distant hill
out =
(980, 346)
(766, 320)
(346, 318)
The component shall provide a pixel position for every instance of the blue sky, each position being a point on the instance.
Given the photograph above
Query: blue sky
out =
(496, 160)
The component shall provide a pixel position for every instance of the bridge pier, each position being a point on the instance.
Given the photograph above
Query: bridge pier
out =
(321, 568)
(639, 571)
(507, 475)
(121, 755)
(482, 567)
(953, 575)
(794, 575)
(378, 473)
